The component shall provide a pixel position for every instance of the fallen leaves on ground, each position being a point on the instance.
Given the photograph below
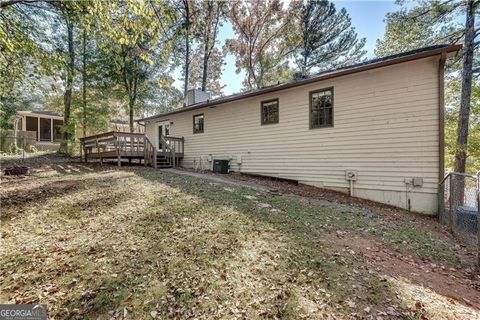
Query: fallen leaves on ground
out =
(138, 243)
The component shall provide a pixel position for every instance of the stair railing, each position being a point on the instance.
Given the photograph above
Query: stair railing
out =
(168, 150)
(150, 151)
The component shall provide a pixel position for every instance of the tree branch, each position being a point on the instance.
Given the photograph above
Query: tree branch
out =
(8, 3)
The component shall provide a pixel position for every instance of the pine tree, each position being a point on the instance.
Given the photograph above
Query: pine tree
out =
(328, 39)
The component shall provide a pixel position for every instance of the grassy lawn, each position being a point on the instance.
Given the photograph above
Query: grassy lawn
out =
(139, 243)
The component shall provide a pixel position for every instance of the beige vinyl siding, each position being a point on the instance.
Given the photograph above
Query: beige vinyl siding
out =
(386, 124)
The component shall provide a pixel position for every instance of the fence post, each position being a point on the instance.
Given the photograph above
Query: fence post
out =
(451, 208)
(441, 201)
(478, 218)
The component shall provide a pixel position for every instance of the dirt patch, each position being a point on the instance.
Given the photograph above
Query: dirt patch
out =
(457, 286)
(36, 160)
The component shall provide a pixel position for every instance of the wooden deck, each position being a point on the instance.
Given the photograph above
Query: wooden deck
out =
(123, 145)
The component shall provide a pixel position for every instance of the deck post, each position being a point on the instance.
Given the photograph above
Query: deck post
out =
(119, 160)
(38, 129)
(145, 151)
(174, 156)
(98, 151)
(51, 130)
(155, 158)
(81, 147)
(132, 142)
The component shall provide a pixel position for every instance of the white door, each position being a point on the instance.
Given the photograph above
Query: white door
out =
(163, 129)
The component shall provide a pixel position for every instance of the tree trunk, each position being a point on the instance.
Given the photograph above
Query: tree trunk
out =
(187, 67)
(206, 44)
(187, 49)
(67, 97)
(131, 105)
(205, 64)
(464, 115)
(84, 79)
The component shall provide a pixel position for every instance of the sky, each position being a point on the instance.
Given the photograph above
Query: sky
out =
(367, 18)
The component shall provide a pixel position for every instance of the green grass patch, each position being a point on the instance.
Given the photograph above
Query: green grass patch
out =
(421, 242)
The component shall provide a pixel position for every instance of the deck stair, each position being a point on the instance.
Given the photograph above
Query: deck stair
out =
(123, 145)
(170, 152)
(163, 162)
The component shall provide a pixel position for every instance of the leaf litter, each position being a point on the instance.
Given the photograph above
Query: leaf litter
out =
(139, 243)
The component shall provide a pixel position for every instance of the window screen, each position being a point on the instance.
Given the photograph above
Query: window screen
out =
(32, 125)
(45, 129)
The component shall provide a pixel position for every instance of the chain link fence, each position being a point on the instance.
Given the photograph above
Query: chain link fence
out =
(460, 206)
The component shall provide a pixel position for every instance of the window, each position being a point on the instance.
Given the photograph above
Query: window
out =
(167, 129)
(32, 125)
(198, 123)
(321, 108)
(270, 111)
(57, 133)
(45, 129)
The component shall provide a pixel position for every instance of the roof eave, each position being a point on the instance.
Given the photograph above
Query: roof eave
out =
(38, 115)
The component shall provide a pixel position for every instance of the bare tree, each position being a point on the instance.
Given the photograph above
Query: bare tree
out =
(467, 74)
(262, 46)
(210, 16)
(67, 97)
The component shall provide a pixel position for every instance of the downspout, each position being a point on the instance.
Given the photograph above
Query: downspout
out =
(441, 130)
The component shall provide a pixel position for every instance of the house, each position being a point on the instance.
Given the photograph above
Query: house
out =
(42, 130)
(45, 124)
(42, 123)
(374, 130)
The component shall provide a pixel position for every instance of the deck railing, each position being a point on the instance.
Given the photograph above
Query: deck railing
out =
(131, 145)
(150, 153)
(118, 144)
